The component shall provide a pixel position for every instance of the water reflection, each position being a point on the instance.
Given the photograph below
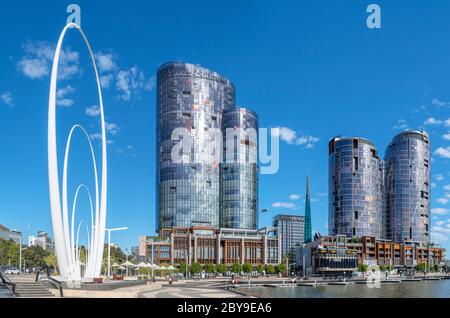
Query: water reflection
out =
(422, 289)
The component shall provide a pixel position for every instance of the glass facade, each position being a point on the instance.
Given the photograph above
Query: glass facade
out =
(191, 97)
(407, 188)
(292, 229)
(355, 188)
(239, 177)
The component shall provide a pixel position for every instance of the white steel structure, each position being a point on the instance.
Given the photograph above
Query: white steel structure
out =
(66, 244)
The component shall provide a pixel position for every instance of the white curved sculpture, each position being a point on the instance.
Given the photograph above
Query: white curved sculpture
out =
(65, 246)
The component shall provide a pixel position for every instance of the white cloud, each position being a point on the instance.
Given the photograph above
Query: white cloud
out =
(295, 196)
(439, 223)
(61, 94)
(401, 125)
(286, 205)
(432, 121)
(106, 80)
(286, 134)
(65, 102)
(36, 62)
(443, 152)
(97, 136)
(7, 99)
(308, 141)
(106, 62)
(440, 211)
(131, 82)
(111, 128)
(438, 103)
(93, 111)
(290, 136)
(446, 136)
(433, 185)
(442, 200)
(447, 123)
(439, 177)
(447, 187)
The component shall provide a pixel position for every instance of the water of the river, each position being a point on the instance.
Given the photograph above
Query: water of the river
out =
(421, 289)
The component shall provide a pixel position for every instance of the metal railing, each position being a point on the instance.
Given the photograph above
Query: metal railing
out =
(6, 281)
(53, 281)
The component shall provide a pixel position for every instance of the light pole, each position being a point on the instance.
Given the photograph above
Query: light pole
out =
(109, 246)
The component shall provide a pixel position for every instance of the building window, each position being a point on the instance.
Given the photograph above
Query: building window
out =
(356, 215)
(355, 163)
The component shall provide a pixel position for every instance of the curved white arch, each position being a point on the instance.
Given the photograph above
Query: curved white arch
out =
(74, 247)
(65, 258)
(79, 247)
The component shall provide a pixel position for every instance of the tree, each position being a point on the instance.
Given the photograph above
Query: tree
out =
(247, 268)
(363, 268)
(422, 267)
(196, 268)
(236, 268)
(222, 268)
(281, 268)
(210, 268)
(9, 253)
(183, 268)
(445, 267)
(260, 268)
(270, 269)
(34, 256)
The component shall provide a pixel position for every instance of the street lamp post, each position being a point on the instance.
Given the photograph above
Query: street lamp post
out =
(20, 256)
(109, 246)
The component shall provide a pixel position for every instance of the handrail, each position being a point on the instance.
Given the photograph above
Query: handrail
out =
(55, 282)
(8, 282)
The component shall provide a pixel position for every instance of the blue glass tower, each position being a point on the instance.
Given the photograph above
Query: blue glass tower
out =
(308, 226)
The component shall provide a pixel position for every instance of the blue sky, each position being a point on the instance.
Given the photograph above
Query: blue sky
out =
(312, 67)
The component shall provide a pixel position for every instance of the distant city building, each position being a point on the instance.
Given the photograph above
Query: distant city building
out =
(407, 188)
(239, 174)
(308, 222)
(135, 250)
(10, 235)
(355, 188)
(143, 240)
(43, 240)
(208, 245)
(190, 97)
(291, 228)
(339, 255)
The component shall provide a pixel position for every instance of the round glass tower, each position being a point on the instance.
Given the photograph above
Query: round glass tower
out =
(239, 178)
(193, 98)
(355, 188)
(407, 188)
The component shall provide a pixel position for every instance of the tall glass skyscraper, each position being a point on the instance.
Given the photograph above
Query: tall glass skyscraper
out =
(355, 188)
(239, 177)
(407, 188)
(308, 223)
(191, 97)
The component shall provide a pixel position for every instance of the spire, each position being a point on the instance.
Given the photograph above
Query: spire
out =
(308, 227)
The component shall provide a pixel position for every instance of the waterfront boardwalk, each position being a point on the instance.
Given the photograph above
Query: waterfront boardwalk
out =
(221, 288)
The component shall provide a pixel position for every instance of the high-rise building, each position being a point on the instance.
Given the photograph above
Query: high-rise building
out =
(10, 235)
(190, 97)
(407, 188)
(291, 229)
(308, 225)
(239, 171)
(355, 188)
(43, 240)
